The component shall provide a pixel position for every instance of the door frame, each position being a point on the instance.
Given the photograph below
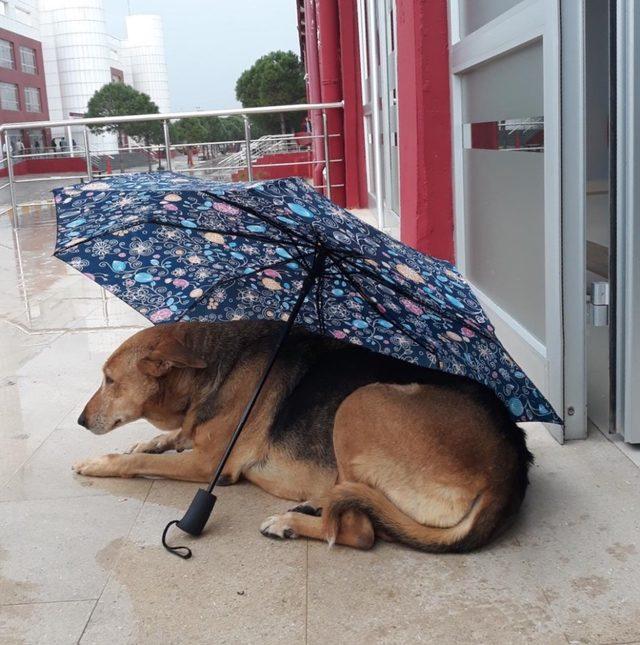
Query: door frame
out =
(627, 180)
(557, 364)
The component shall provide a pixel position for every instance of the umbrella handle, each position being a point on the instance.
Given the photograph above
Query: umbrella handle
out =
(199, 511)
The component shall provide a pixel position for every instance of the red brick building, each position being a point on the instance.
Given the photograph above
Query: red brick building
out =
(23, 93)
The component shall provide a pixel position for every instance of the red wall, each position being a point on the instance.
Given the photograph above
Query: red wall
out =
(294, 163)
(426, 199)
(45, 166)
(23, 80)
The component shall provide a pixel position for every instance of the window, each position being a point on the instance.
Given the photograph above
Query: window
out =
(9, 97)
(23, 15)
(32, 99)
(6, 55)
(3, 8)
(28, 60)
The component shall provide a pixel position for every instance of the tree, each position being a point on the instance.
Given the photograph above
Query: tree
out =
(274, 79)
(119, 99)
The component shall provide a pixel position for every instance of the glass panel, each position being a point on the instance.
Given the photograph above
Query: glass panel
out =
(507, 134)
(9, 96)
(509, 87)
(476, 13)
(6, 54)
(28, 60)
(504, 189)
(32, 99)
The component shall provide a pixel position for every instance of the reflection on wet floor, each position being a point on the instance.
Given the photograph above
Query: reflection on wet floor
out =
(40, 293)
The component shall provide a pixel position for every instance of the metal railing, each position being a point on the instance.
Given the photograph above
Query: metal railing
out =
(243, 155)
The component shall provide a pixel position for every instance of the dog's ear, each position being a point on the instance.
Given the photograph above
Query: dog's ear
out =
(169, 353)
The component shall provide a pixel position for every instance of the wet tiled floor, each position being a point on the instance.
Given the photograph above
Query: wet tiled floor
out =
(81, 560)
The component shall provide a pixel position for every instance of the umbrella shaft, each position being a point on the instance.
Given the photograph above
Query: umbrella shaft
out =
(316, 270)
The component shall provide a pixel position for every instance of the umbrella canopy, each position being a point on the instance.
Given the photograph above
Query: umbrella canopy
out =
(176, 247)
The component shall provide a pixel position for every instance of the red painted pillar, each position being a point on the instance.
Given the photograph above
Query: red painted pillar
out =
(426, 196)
(328, 40)
(354, 158)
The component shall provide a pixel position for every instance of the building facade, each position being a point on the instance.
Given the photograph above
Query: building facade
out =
(54, 55)
(23, 90)
(388, 61)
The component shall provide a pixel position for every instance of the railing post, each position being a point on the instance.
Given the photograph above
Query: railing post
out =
(247, 143)
(167, 143)
(70, 140)
(87, 152)
(12, 188)
(327, 157)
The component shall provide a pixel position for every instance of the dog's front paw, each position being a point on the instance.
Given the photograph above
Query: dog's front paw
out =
(154, 446)
(278, 526)
(95, 466)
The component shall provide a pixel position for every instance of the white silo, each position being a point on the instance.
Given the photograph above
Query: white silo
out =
(79, 37)
(143, 53)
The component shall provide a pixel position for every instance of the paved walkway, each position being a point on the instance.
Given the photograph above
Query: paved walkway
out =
(81, 561)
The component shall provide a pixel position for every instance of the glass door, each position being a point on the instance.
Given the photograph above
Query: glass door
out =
(506, 111)
(378, 62)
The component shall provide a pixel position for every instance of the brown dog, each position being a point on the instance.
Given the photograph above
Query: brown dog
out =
(371, 445)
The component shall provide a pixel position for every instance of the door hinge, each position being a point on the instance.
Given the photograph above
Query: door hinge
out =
(598, 304)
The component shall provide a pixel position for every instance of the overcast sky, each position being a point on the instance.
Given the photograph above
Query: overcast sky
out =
(209, 43)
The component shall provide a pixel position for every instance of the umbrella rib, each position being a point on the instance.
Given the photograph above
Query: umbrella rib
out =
(407, 294)
(240, 277)
(429, 347)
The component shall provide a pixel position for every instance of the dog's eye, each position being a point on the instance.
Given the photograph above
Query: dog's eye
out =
(108, 380)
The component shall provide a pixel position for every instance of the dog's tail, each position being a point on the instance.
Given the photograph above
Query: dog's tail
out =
(474, 530)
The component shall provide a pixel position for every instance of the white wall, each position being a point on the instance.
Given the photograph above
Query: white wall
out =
(143, 51)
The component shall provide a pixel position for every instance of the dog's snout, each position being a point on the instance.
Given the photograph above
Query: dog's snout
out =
(82, 420)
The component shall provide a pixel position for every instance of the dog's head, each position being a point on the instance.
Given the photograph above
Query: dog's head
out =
(133, 378)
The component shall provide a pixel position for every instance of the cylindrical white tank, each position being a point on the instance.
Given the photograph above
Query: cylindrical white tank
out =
(145, 61)
(84, 58)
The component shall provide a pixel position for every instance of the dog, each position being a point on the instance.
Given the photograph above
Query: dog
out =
(369, 445)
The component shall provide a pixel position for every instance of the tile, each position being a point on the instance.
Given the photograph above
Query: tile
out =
(47, 474)
(239, 587)
(583, 543)
(61, 549)
(52, 623)
(395, 595)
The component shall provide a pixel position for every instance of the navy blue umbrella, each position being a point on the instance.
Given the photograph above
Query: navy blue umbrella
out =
(176, 247)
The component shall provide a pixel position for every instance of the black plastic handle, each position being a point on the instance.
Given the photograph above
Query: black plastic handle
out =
(193, 521)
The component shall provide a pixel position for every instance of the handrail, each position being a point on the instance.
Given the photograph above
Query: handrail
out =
(169, 116)
(250, 147)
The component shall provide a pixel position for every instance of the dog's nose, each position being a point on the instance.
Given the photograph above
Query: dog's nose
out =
(82, 420)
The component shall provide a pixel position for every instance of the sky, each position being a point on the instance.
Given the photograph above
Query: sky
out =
(209, 43)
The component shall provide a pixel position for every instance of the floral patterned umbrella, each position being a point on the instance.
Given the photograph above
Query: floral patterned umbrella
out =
(176, 247)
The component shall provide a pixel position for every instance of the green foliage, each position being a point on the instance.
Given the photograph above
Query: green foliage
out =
(200, 129)
(119, 99)
(274, 79)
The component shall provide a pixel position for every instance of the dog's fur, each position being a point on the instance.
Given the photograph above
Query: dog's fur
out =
(371, 445)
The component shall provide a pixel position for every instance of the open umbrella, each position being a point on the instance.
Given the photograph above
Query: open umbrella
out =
(176, 247)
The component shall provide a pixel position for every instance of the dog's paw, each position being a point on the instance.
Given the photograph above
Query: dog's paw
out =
(95, 466)
(306, 508)
(278, 526)
(154, 446)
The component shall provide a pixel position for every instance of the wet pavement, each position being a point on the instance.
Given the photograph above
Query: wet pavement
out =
(81, 560)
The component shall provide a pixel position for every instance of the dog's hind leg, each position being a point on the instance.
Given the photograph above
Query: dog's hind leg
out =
(175, 440)
(355, 528)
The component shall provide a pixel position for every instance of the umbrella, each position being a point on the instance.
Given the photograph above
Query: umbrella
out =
(176, 247)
